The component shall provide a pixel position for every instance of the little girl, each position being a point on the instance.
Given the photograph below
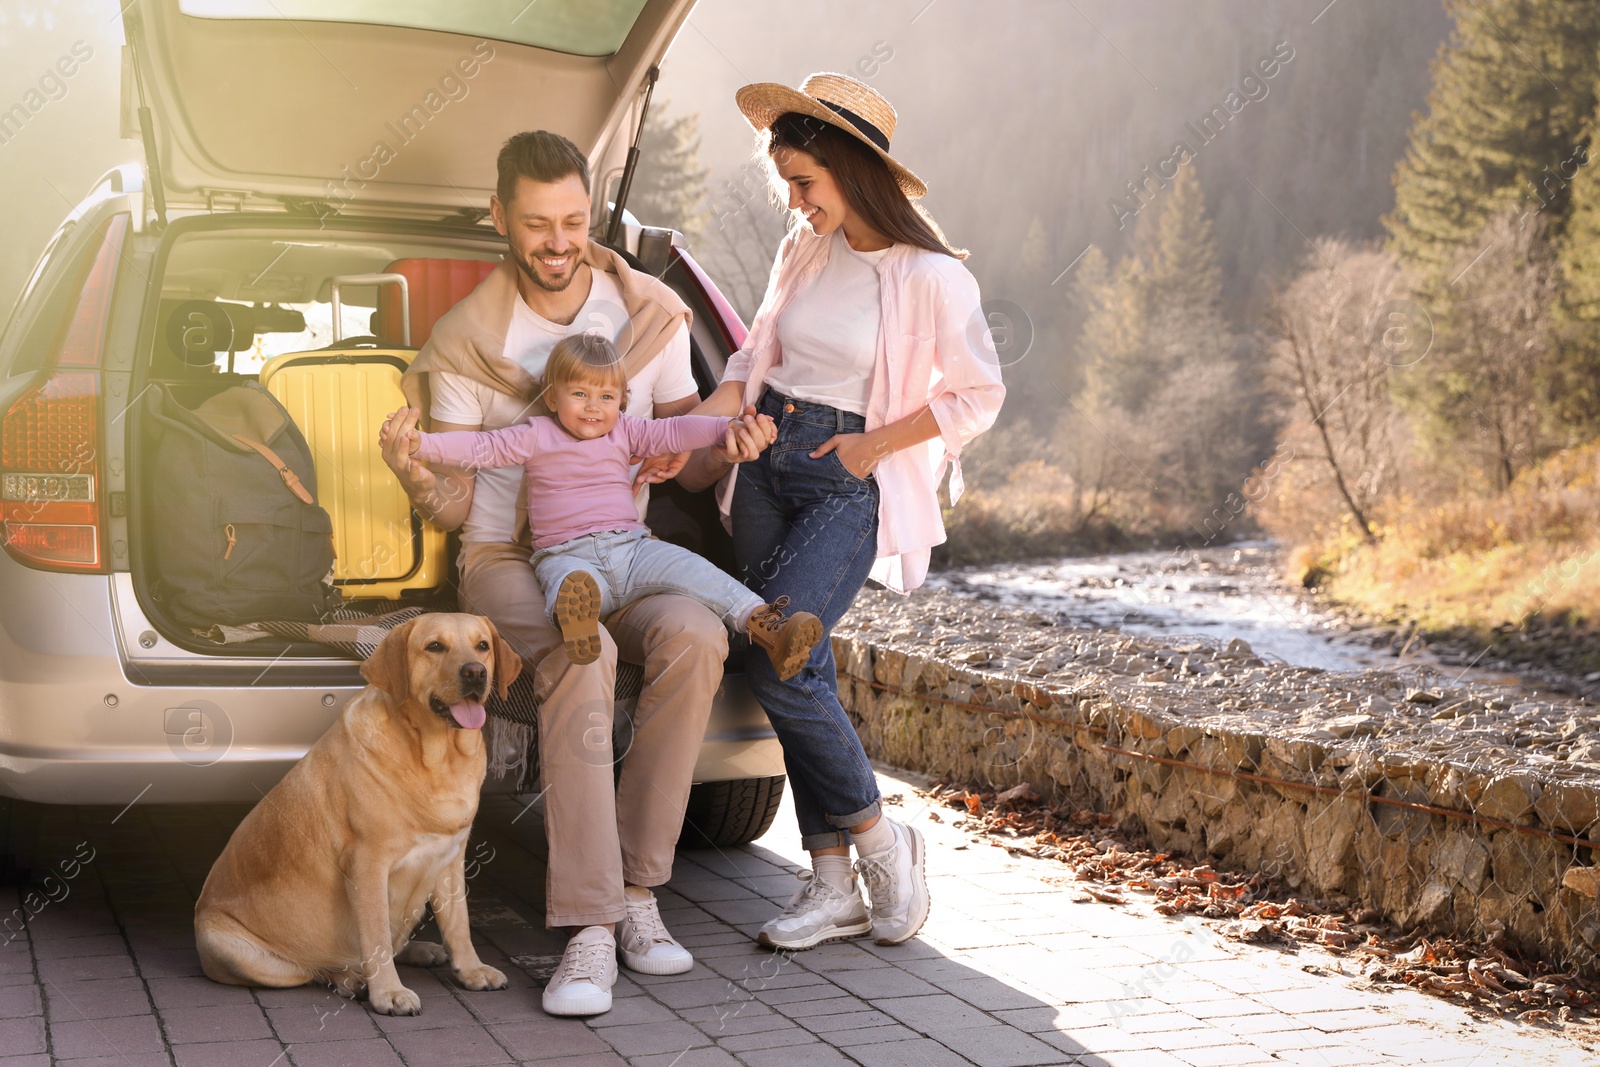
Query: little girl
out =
(591, 553)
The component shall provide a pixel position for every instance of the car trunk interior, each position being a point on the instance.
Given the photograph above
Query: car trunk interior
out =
(269, 283)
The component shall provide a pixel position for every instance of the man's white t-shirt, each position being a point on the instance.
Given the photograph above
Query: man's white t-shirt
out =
(466, 402)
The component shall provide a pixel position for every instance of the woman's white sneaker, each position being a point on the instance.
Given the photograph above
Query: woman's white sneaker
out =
(816, 914)
(897, 882)
(582, 983)
(645, 944)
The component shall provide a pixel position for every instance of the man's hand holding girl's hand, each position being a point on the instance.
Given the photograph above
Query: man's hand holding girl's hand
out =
(394, 434)
(398, 439)
(655, 469)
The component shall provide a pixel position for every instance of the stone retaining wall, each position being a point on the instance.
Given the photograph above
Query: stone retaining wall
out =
(1363, 786)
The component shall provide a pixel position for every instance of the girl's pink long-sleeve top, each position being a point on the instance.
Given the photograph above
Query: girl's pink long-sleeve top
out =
(574, 487)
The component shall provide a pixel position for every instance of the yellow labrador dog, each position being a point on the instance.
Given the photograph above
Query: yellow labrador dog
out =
(327, 877)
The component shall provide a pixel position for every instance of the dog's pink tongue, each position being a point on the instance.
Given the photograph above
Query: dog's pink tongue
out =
(469, 715)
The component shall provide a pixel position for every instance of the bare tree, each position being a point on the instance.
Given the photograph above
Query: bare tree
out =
(742, 238)
(669, 188)
(1487, 386)
(1206, 440)
(1338, 331)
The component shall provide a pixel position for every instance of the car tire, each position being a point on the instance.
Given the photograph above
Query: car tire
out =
(731, 813)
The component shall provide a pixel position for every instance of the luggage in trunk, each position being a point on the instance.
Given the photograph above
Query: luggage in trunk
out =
(339, 398)
(237, 534)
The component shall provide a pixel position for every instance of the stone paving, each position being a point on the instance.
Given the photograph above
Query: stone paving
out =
(1011, 971)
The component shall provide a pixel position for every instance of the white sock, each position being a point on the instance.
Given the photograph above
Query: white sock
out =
(881, 838)
(835, 871)
(746, 616)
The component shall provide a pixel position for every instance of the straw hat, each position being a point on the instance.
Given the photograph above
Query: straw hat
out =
(839, 100)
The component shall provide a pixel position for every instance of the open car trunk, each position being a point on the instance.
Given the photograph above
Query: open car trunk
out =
(336, 140)
(385, 107)
(237, 298)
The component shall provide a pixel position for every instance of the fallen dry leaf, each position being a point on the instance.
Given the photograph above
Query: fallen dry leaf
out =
(1485, 974)
(1018, 794)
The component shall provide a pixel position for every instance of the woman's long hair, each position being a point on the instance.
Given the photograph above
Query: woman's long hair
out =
(866, 181)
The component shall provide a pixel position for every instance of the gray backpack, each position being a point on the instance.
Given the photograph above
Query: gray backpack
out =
(236, 532)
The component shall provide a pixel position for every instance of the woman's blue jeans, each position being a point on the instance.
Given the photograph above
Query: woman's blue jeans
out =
(808, 529)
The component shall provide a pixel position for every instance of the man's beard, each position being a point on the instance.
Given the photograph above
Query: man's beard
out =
(525, 265)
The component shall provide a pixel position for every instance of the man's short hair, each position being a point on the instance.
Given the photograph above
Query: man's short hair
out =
(542, 156)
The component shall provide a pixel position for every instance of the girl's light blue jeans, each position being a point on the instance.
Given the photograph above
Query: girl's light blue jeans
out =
(629, 565)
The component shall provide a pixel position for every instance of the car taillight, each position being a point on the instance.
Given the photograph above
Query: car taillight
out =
(50, 487)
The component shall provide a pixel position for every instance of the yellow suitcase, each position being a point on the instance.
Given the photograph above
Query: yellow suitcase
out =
(339, 398)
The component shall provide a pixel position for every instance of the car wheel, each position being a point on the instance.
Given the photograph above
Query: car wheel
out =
(735, 812)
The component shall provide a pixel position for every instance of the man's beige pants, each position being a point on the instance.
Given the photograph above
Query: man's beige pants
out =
(601, 837)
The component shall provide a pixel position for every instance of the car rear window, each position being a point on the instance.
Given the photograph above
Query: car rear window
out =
(577, 27)
(275, 290)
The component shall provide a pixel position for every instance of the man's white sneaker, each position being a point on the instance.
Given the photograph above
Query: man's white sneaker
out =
(816, 914)
(897, 882)
(582, 984)
(644, 942)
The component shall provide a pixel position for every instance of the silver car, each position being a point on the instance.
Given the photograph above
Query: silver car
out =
(283, 157)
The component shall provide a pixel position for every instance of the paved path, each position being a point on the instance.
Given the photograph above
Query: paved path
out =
(1010, 972)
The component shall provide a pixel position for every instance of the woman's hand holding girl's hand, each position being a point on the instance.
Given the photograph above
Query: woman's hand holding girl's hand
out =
(859, 452)
(753, 433)
(747, 437)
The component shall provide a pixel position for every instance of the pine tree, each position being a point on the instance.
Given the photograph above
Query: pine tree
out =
(1112, 339)
(669, 187)
(1159, 310)
(1576, 385)
(1179, 251)
(1512, 89)
(1161, 364)
(1034, 255)
(1580, 252)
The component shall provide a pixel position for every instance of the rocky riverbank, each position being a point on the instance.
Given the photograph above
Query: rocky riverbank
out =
(1554, 655)
(1241, 590)
(1467, 807)
(1221, 592)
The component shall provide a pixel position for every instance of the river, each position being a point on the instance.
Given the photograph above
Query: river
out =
(1225, 592)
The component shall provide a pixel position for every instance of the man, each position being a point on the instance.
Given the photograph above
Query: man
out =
(478, 371)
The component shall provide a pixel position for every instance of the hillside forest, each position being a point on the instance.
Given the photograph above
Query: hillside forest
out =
(1350, 300)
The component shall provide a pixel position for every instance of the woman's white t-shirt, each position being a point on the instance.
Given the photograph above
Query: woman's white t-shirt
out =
(829, 332)
(466, 402)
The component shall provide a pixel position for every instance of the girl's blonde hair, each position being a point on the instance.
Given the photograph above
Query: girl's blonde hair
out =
(586, 359)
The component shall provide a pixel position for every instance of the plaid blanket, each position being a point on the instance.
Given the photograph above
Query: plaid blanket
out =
(355, 633)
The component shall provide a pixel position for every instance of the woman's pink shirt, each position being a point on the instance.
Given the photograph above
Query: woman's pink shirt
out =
(934, 349)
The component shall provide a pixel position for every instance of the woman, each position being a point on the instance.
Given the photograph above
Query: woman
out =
(871, 354)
